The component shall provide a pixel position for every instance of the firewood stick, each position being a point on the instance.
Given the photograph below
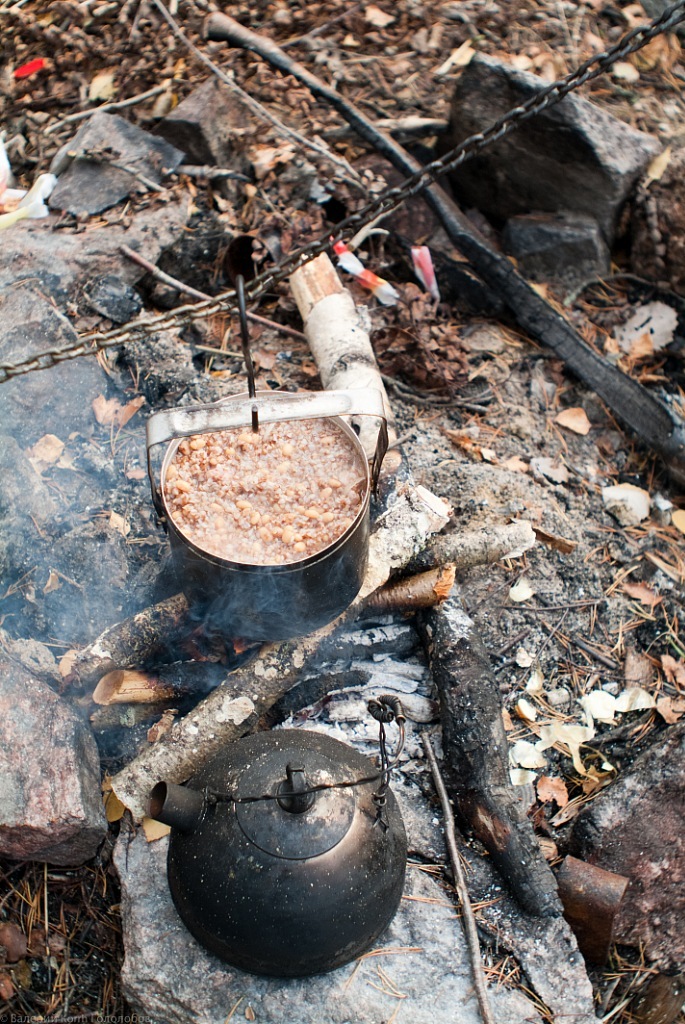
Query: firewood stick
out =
(135, 686)
(424, 590)
(234, 709)
(126, 644)
(475, 547)
(654, 423)
(468, 917)
(476, 755)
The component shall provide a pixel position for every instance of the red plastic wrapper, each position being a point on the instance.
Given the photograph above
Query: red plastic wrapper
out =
(26, 70)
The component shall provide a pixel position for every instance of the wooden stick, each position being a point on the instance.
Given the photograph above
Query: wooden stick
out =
(126, 644)
(425, 590)
(476, 547)
(657, 425)
(180, 286)
(467, 915)
(81, 115)
(476, 755)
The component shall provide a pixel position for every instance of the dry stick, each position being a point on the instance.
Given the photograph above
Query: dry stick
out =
(425, 590)
(476, 547)
(160, 275)
(468, 917)
(347, 171)
(81, 115)
(235, 708)
(653, 422)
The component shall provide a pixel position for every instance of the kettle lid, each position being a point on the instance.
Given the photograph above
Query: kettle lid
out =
(307, 815)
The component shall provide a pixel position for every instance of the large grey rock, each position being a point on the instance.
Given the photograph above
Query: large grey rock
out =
(42, 269)
(573, 156)
(169, 977)
(50, 801)
(567, 249)
(637, 829)
(209, 126)
(89, 183)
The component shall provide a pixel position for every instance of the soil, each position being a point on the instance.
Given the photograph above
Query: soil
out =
(477, 403)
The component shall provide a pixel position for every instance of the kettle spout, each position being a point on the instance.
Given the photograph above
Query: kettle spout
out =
(177, 806)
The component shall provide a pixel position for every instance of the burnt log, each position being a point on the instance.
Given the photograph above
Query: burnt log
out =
(476, 762)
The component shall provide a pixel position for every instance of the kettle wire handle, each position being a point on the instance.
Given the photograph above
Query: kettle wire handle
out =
(272, 407)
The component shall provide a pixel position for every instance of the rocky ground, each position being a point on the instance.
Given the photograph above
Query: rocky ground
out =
(584, 631)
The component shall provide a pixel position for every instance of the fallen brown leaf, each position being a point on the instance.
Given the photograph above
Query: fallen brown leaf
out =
(673, 670)
(558, 543)
(642, 593)
(13, 940)
(574, 419)
(671, 709)
(551, 788)
(154, 830)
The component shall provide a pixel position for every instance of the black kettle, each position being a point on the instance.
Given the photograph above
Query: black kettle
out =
(288, 850)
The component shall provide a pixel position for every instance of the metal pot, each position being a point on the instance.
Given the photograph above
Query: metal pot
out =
(287, 853)
(270, 602)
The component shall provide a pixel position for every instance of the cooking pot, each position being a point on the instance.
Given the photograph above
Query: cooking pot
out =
(287, 852)
(271, 602)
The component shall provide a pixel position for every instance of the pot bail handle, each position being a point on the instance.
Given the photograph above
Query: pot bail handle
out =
(271, 407)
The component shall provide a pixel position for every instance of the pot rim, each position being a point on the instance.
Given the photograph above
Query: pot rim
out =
(269, 567)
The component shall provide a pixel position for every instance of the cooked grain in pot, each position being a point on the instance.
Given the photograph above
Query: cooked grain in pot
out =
(271, 497)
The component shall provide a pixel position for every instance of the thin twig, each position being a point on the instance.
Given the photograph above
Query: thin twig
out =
(81, 115)
(347, 171)
(467, 916)
(160, 275)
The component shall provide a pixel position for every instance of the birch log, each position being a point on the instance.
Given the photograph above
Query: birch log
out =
(339, 339)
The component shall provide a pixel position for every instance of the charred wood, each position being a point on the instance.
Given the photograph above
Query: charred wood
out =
(476, 759)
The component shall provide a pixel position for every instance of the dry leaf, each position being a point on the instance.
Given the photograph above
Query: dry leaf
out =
(568, 736)
(119, 523)
(527, 755)
(154, 830)
(637, 669)
(574, 419)
(625, 72)
(678, 519)
(506, 720)
(635, 699)
(558, 543)
(551, 788)
(53, 582)
(265, 158)
(521, 777)
(106, 409)
(378, 18)
(642, 593)
(525, 710)
(114, 809)
(521, 591)
(137, 473)
(550, 850)
(458, 58)
(14, 941)
(524, 659)
(599, 705)
(129, 411)
(102, 87)
(45, 452)
(673, 670)
(6, 987)
(249, 1012)
(671, 709)
(67, 663)
(516, 465)
(657, 167)
(535, 681)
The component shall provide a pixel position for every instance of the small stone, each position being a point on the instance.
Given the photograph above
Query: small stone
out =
(559, 697)
(89, 183)
(628, 504)
(113, 298)
(573, 156)
(50, 802)
(567, 249)
(209, 126)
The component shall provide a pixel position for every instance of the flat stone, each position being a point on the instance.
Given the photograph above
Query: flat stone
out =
(113, 298)
(636, 828)
(567, 249)
(209, 125)
(50, 801)
(573, 156)
(169, 977)
(88, 183)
